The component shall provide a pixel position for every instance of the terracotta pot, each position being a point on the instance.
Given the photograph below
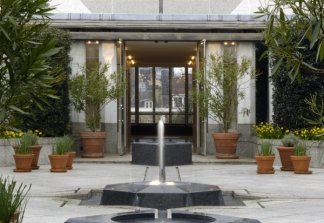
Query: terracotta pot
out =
(285, 154)
(70, 160)
(36, 151)
(14, 217)
(265, 164)
(92, 144)
(58, 162)
(23, 162)
(226, 144)
(301, 164)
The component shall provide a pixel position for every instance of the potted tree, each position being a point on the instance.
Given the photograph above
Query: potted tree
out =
(287, 150)
(59, 156)
(91, 90)
(23, 154)
(224, 82)
(300, 159)
(265, 158)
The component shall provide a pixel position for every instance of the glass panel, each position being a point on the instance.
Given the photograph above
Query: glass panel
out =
(133, 119)
(145, 118)
(189, 119)
(178, 89)
(178, 119)
(132, 90)
(190, 107)
(162, 89)
(92, 52)
(145, 89)
(165, 118)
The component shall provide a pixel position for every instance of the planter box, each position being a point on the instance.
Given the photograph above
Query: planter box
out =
(6, 151)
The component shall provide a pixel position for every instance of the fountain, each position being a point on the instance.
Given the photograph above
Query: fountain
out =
(162, 196)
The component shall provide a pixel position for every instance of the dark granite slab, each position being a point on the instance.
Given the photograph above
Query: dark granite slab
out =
(162, 195)
(176, 153)
(148, 217)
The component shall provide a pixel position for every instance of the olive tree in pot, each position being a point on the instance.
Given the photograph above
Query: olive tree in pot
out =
(224, 82)
(91, 90)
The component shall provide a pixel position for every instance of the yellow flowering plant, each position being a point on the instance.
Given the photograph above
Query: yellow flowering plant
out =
(9, 134)
(315, 133)
(268, 131)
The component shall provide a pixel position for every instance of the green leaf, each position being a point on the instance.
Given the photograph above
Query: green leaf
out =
(276, 67)
(315, 33)
(2, 114)
(320, 52)
(18, 110)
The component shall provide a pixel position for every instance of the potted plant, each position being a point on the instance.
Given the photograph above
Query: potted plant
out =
(59, 156)
(300, 159)
(91, 90)
(23, 155)
(224, 82)
(12, 200)
(287, 150)
(265, 158)
(35, 147)
(71, 155)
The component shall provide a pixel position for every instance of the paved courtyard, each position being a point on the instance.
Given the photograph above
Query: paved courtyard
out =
(274, 198)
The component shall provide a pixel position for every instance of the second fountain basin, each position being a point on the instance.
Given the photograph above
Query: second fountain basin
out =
(176, 153)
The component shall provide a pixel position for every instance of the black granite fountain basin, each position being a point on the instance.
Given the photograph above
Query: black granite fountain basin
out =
(176, 153)
(162, 196)
(148, 217)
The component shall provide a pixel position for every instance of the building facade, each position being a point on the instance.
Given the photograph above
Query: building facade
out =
(160, 43)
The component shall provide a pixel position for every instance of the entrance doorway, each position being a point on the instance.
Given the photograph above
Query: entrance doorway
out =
(160, 75)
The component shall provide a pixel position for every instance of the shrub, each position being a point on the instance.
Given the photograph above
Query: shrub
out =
(54, 119)
(289, 104)
(290, 139)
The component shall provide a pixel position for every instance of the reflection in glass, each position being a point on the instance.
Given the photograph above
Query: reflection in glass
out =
(178, 119)
(165, 118)
(145, 118)
(132, 90)
(161, 90)
(190, 106)
(145, 89)
(178, 89)
(133, 120)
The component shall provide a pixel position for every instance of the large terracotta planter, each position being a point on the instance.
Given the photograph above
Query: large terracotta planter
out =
(23, 162)
(285, 154)
(226, 144)
(301, 164)
(265, 164)
(36, 151)
(70, 160)
(92, 144)
(58, 162)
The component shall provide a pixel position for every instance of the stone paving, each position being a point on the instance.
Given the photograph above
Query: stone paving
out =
(274, 198)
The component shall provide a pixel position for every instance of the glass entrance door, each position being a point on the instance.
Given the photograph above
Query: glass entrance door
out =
(201, 129)
(160, 93)
(121, 102)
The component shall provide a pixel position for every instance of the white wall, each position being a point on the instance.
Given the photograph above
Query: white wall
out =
(108, 54)
(78, 54)
(213, 48)
(247, 50)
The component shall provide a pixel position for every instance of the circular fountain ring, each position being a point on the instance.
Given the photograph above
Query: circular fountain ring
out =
(177, 217)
